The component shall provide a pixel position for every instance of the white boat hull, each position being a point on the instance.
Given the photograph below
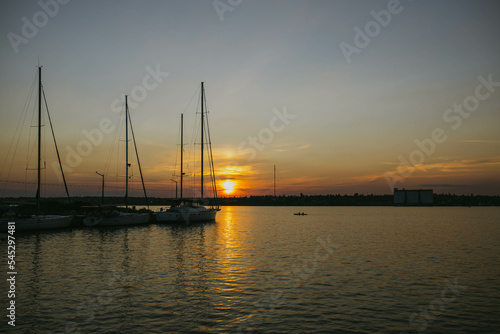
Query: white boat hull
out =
(41, 222)
(187, 215)
(120, 220)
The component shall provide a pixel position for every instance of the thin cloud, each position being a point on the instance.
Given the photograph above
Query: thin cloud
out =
(451, 167)
(444, 185)
(480, 141)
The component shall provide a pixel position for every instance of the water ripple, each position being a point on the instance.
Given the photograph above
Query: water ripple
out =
(263, 270)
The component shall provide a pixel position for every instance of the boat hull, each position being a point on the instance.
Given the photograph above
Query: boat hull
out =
(187, 216)
(119, 220)
(41, 223)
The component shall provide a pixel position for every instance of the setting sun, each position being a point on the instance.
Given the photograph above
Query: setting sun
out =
(228, 186)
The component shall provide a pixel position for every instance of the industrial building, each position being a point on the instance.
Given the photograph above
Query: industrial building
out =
(419, 197)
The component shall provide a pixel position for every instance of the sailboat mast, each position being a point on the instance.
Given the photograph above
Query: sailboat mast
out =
(39, 136)
(202, 101)
(182, 149)
(126, 150)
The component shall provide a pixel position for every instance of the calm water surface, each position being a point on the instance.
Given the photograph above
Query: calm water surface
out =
(264, 270)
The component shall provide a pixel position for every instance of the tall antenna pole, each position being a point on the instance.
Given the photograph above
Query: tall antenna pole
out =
(202, 93)
(274, 180)
(182, 153)
(39, 135)
(102, 190)
(126, 150)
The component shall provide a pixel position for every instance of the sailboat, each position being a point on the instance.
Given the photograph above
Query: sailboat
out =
(41, 221)
(192, 210)
(115, 218)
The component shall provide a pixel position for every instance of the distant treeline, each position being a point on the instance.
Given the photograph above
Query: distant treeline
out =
(356, 200)
(77, 203)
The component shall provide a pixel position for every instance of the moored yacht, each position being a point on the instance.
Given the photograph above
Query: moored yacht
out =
(193, 210)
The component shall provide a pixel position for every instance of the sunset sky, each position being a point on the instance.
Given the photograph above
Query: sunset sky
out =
(342, 96)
